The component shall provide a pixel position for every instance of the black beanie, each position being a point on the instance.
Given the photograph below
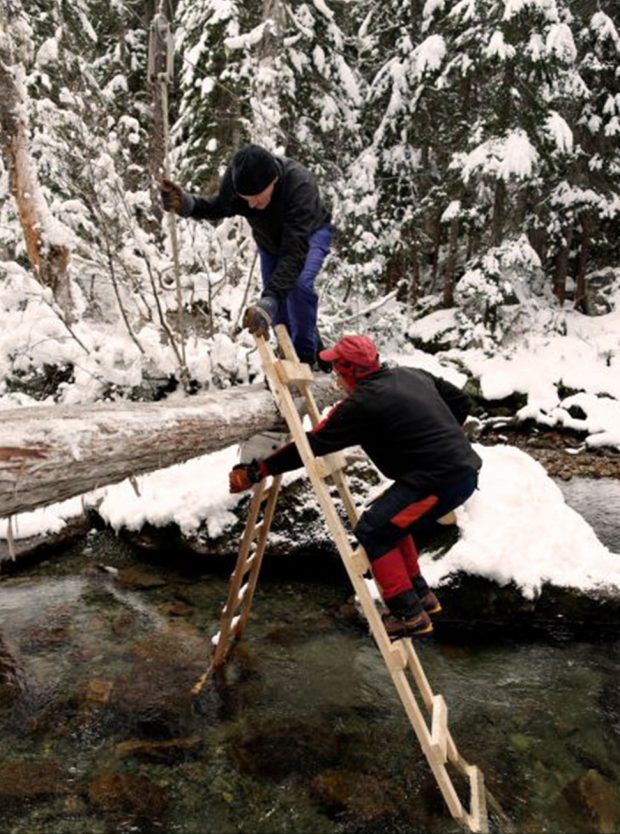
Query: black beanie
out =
(253, 168)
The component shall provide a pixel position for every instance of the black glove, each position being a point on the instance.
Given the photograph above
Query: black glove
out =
(244, 475)
(173, 198)
(259, 316)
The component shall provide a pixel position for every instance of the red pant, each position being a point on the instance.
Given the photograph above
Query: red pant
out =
(395, 569)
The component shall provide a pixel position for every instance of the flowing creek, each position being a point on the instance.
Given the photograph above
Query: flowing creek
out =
(303, 732)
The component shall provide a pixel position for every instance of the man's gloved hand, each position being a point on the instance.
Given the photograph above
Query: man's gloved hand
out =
(259, 316)
(244, 475)
(173, 198)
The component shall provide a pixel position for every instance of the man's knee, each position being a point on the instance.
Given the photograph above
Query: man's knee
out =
(369, 537)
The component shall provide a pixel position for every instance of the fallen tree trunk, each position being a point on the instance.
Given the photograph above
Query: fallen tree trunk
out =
(51, 454)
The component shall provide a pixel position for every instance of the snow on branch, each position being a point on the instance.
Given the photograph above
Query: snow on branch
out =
(249, 38)
(604, 28)
(502, 158)
(560, 132)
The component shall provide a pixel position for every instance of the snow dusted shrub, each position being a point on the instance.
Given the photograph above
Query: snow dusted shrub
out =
(497, 291)
(478, 295)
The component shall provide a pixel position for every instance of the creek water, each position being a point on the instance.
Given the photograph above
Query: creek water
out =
(303, 731)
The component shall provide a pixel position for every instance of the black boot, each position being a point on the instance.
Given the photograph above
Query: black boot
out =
(418, 625)
(429, 601)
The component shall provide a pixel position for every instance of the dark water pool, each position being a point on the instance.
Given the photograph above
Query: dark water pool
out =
(302, 733)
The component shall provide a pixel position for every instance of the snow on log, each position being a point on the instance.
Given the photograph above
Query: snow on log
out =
(51, 454)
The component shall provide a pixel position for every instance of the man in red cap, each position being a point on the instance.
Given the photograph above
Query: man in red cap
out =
(409, 423)
(292, 229)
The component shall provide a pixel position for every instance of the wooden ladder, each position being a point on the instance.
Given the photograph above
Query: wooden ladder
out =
(400, 657)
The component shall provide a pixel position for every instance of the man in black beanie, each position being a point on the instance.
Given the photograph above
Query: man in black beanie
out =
(292, 229)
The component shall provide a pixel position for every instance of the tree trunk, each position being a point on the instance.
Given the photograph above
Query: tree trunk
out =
(499, 213)
(436, 234)
(266, 83)
(51, 454)
(449, 276)
(561, 266)
(47, 251)
(157, 133)
(581, 288)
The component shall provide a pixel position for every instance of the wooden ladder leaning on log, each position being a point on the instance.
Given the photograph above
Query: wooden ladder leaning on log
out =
(400, 657)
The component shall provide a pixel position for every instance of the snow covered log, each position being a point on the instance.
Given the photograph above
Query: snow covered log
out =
(51, 454)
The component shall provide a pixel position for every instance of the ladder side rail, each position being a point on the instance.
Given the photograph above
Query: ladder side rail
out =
(419, 676)
(261, 545)
(244, 552)
(442, 777)
(395, 656)
(338, 478)
(346, 497)
(229, 629)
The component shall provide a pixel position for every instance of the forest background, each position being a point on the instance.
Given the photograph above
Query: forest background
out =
(469, 151)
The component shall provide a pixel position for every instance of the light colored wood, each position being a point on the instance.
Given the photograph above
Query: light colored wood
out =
(261, 544)
(478, 819)
(420, 728)
(400, 658)
(294, 372)
(330, 464)
(439, 728)
(359, 561)
(244, 578)
(419, 676)
(447, 519)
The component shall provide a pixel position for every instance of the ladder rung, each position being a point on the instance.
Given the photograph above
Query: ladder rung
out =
(397, 657)
(330, 464)
(359, 561)
(447, 519)
(258, 529)
(439, 728)
(247, 566)
(232, 628)
(292, 373)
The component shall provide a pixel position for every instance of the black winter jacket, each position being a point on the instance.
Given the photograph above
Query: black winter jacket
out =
(283, 228)
(406, 420)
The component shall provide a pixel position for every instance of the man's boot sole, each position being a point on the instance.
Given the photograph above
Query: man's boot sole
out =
(413, 635)
(436, 609)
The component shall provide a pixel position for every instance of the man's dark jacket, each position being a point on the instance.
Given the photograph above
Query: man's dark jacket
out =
(406, 420)
(283, 228)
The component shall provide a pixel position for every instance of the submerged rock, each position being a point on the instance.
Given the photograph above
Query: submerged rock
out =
(163, 752)
(124, 795)
(139, 580)
(596, 798)
(12, 681)
(25, 781)
(277, 748)
(365, 798)
(154, 701)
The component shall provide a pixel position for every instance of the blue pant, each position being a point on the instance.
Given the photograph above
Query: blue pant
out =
(298, 311)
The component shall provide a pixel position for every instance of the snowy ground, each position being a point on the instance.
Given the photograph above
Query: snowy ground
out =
(517, 527)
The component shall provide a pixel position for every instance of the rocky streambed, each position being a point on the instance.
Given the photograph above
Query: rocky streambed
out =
(302, 732)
